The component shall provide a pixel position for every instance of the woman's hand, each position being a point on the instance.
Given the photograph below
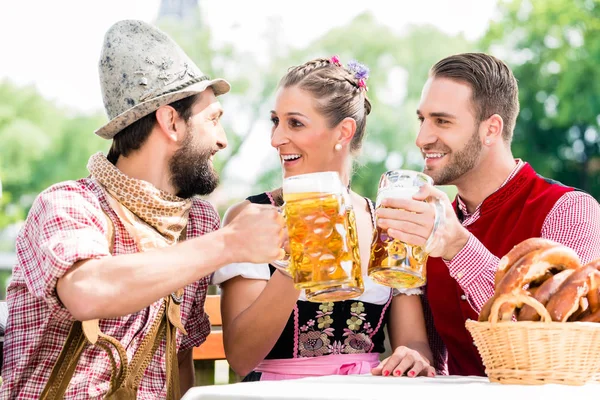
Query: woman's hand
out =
(404, 361)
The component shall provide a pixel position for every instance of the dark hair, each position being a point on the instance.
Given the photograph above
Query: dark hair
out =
(337, 93)
(132, 137)
(494, 86)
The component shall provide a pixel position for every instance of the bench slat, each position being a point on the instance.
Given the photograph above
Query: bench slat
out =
(212, 349)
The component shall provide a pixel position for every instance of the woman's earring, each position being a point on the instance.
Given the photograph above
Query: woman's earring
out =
(337, 147)
(487, 141)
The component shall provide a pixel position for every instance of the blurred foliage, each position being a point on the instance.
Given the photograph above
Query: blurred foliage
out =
(553, 47)
(195, 38)
(41, 145)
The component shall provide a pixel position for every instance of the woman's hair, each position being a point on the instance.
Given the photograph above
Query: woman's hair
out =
(339, 93)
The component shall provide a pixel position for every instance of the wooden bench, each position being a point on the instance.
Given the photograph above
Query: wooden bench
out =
(212, 348)
(207, 354)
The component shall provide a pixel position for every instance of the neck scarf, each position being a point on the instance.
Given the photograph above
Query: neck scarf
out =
(158, 218)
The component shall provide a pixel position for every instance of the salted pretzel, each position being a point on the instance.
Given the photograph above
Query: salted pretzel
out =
(542, 294)
(582, 311)
(534, 265)
(518, 252)
(567, 299)
(594, 293)
(589, 307)
(513, 300)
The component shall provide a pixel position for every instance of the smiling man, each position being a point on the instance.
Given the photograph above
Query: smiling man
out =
(467, 112)
(122, 259)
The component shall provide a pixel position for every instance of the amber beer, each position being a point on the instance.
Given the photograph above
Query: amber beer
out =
(324, 257)
(395, 263)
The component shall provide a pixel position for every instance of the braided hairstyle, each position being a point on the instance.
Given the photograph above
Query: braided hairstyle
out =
(336, 91)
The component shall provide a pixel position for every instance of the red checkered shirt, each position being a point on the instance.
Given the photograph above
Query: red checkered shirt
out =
(66, 224)
(573, 221)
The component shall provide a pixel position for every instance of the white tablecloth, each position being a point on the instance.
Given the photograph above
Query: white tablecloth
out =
(366, 387)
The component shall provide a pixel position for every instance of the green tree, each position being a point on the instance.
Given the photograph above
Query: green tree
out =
(41, 144)
(553, 47)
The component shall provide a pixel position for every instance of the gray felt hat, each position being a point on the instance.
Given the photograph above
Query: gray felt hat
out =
(142, 69)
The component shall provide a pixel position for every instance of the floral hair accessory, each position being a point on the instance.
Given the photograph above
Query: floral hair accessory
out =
(336, 61)
(361, 73)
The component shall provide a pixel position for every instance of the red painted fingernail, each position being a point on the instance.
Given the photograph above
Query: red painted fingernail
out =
(411, 373)
(432, 374)
(386, 373)
(397, 373)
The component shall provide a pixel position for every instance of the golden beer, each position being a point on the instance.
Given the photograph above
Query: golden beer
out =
(394, 263)
(324, 257)
(340, 288)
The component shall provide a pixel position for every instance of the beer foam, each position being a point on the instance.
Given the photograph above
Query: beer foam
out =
(396, 193)
(320, 182)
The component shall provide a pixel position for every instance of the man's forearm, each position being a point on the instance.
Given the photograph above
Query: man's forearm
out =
(116, 286)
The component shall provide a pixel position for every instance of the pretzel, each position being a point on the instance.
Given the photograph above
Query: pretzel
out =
(583, 310)
(589, 309)
(594, 292)
(529, 268)
(567, 299)
(543, 294)
(518, 252)
(513, 300)
(593, 317)
(537, 264)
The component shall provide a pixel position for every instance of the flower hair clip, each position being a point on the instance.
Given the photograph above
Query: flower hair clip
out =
(360, 71)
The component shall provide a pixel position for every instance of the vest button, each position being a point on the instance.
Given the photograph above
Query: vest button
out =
(463, 297)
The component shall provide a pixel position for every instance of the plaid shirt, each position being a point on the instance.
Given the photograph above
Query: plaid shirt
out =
(573, 221)
(66, 224)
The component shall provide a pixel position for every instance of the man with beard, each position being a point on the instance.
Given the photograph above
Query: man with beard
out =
(129, 249)
(467, 112)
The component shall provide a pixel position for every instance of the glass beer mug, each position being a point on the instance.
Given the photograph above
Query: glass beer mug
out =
(323, 242)
(394, 263)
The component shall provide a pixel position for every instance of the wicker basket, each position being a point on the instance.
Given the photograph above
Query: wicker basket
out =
(534, 353)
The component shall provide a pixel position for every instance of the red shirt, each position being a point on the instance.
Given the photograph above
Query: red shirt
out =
(65, 225)
(525, 206)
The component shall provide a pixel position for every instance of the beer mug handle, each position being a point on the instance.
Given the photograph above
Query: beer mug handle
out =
(283, 265)
(438, 222)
